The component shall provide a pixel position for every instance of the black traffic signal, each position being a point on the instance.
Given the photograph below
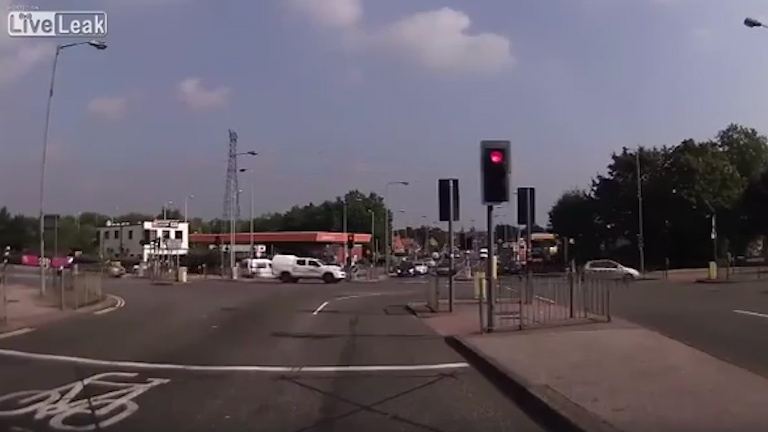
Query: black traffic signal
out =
(495, 166)
(350, 241)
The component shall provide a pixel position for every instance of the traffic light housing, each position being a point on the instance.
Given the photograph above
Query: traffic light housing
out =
(350, 241)
(495, 166)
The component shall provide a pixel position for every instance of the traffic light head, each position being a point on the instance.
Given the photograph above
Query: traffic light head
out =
(495, 167)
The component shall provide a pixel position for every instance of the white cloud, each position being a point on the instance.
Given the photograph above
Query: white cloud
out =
(330, 13)
(439, 40)
(112, 108)
(192, 92)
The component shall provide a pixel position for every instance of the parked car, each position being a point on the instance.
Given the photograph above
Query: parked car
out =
(421, 268)
(608, 269)
(406, 269)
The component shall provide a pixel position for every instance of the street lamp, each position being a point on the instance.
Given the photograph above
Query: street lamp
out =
(186, 206)
(344, 223)
(165, 209)
(373, 237)
(251, 214)
(387, 229)
(99, 45)
(752, 23)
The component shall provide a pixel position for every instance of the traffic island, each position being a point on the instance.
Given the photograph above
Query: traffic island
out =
(617, 377)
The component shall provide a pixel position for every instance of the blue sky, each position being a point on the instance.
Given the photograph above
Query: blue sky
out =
(341, 94)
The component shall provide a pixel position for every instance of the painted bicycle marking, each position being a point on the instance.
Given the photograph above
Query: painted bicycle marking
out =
(60, 405)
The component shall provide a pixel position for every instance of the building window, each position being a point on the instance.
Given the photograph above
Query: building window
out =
(130, 234)
(117, 234)
(166, 234)
(106, 235)
(146, 236)
(179, 234)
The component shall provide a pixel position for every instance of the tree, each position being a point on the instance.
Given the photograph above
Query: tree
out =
(682, 187)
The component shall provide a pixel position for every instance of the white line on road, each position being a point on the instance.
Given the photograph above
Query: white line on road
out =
(348, 297)
(16, 332)
(320, 308)
(120, 303)
(198, 368)
(750, 313)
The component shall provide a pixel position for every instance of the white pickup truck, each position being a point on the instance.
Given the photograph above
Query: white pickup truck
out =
(290, 268)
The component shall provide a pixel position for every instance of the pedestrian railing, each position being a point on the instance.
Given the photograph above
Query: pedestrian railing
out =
(530, 301)
(78, 287)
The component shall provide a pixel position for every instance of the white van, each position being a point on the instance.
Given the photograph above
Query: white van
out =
(257, 267)
(290, 268)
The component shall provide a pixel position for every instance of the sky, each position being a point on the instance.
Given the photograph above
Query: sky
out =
(352, 94)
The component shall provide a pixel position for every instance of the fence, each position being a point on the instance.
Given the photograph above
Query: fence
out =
(525, 302)
(77, 287)
(534, 301)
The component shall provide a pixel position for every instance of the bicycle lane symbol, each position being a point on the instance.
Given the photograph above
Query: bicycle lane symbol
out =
(68, 410)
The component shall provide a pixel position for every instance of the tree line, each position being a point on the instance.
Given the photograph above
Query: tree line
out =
(364, 213)
(683, 205)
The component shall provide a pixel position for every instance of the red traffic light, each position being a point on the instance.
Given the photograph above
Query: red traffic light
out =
(497, 156)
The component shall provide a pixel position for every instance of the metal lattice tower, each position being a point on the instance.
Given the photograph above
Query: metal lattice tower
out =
(231, 195)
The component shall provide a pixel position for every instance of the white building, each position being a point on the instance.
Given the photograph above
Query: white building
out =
(144, 240)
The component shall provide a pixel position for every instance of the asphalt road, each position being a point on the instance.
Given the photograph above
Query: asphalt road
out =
(728, 321)
(201, 355)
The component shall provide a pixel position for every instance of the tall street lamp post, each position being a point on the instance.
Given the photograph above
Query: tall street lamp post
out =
(387, 228)
(99, 45)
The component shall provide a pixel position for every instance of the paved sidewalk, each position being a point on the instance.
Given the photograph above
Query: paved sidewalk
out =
(614, 377)
(25, 308)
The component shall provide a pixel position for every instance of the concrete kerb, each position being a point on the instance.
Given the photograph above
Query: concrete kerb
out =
(543, 403)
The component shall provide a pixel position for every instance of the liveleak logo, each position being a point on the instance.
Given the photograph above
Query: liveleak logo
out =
(91, 24)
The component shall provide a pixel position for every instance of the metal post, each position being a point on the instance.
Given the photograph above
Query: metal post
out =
(528, 290)
(714, 237)
(42, 170)
(56, 236)
(640, 236)
(344, 229)
(489, 276)
(373, 239)
(386, 230)
(451, 264)
(232, 228)
(253, 252)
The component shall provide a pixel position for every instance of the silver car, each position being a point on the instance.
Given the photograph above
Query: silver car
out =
(607, 269)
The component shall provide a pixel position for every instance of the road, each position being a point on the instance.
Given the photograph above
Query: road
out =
(219, 356)
(728, 321)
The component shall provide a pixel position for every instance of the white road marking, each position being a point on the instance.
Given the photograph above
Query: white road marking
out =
(320, 308)
(120, 303)
(750, 313)
(348, 297)
(198, 368)
(16, 332)
(62, 403)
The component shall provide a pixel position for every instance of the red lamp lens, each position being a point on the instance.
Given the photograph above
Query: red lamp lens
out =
(497, 157)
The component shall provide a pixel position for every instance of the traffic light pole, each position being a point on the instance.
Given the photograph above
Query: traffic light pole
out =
(489, 276)
(451, 261)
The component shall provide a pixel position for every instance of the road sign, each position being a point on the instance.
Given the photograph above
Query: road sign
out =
(448, 195)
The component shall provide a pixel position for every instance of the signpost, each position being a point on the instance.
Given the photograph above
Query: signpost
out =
(448, 195)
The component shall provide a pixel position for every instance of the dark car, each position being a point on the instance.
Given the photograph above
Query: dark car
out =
(406, 269)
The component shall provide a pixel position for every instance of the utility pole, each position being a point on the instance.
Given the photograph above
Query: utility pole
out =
(640, 236)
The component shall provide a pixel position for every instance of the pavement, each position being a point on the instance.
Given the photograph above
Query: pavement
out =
(237, 356)
(698, 362)
(24, 309)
